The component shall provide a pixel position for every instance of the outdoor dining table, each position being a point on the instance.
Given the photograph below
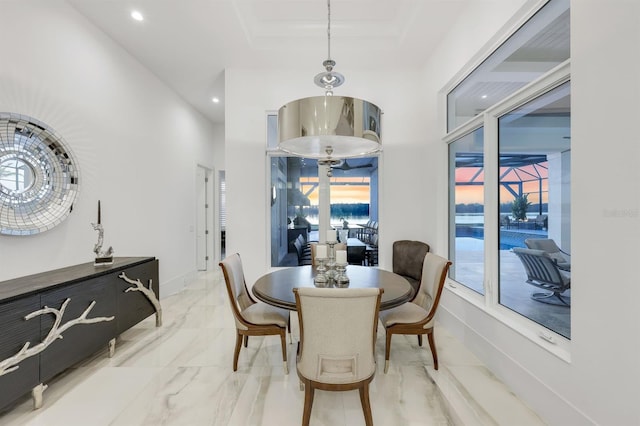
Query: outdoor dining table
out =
(276, 288)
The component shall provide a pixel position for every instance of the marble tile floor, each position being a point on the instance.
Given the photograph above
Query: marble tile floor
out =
(181, 374)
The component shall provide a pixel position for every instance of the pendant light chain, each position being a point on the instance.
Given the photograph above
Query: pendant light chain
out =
(329, 29)
(326, 127)
(329, 79)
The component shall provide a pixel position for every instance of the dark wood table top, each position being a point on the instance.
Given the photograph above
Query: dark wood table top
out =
(276, 288)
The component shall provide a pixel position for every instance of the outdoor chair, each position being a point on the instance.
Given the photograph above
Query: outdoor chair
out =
(356, 255)
(417, 317)
(562, 259)
(252, 318)
(541, 221)
(304, 257)
(337, 342)
(372, 252)
(505, 221)
(543, 272)
(408, 257)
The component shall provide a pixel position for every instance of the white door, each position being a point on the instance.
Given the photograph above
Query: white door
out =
(201, 219)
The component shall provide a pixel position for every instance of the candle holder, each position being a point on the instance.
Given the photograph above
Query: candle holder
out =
(342, 280)
(321, 279)
(103, 258)
(331, 264)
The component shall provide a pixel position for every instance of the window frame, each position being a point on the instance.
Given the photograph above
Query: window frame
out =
(542, 336)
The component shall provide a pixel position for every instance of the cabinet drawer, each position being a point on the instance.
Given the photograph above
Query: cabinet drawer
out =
(16, 331)
(81, 340)
(134, 306)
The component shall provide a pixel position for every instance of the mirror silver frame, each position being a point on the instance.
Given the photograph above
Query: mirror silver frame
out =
(38, 176)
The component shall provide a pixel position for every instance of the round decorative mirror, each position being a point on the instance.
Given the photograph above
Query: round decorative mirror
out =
(38, 176)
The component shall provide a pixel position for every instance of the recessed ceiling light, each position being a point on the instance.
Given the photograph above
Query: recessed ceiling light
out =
(484, 96)
(136, 15)
(215, 100)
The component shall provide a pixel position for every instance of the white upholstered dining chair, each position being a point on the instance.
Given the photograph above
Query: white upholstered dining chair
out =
(252, 318)
(337, 342)
(417, 316)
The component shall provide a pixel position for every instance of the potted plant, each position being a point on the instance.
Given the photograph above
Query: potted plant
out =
(519, 207)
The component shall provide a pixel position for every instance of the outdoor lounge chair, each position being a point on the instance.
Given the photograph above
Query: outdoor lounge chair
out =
(562, 259)
(541, 221)
(543, 272)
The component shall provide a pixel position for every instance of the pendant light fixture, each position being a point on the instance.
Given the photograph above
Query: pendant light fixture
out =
(329, 128)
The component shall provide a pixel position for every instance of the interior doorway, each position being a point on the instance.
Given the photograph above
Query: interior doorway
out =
(222, 213)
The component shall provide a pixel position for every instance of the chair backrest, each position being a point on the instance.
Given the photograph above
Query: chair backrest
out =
(239, 297)
(541, 220)
(356, 254)
(337, 333)
(540, 267)
(544, 244)
(299, 250)
(408, 257)
(550, 247)
(434, 274)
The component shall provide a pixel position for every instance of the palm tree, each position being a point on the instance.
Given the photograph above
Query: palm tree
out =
(519, 207)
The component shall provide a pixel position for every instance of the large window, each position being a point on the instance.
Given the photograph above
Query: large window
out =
(538, 46)
(535, 199)
(295, 203)
(510, 178)
(466, 202)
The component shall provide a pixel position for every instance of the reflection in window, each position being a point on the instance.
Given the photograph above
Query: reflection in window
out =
(16, 175)
(538, 46)
(535, 204)
(466, 183)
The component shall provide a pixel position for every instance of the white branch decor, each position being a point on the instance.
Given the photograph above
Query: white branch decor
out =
(11, 364)
(148, 292)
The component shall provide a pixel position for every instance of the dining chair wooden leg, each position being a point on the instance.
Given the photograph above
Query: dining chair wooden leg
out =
(387, 350)
(283, 341)
(366, 404)
(236, 352)
(308, 403)
(432, 345)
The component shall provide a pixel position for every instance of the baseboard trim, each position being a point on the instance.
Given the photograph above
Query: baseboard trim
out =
(177, 284)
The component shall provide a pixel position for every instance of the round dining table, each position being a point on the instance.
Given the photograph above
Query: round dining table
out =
(276, 288)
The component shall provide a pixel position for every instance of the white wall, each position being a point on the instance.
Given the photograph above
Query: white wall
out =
(406, 209)
(599, 384)
(137, 143)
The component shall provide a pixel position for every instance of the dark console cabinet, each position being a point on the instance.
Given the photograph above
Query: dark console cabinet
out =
(15, 333)
(133, 305)
(79, 287)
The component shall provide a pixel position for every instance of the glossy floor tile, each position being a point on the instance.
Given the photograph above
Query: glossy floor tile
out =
(181, 374)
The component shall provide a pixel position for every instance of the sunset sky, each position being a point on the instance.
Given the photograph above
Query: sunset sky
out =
(528, 175)
(356, 192)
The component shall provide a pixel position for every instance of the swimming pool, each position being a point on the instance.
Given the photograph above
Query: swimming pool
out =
(508, 238)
